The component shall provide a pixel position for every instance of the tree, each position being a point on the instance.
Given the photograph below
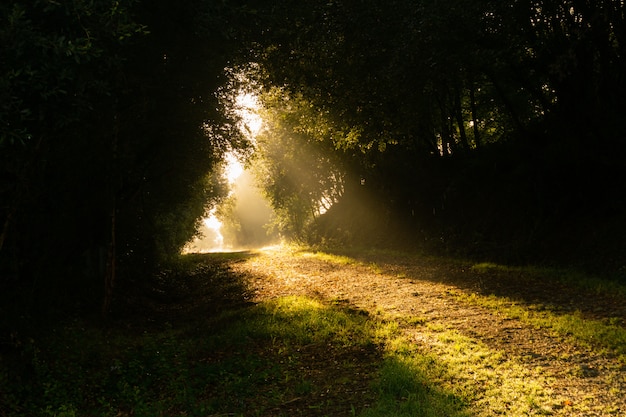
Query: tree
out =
(295, 162)
(110, 130)
(441, 99)
(59, 64)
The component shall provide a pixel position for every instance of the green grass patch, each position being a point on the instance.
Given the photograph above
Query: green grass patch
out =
(405, 389)
(290, 356)
(604, 335)
(450, 374)
(331, 258)
(342, 260)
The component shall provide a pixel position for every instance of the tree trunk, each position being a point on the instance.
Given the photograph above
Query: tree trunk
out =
(458, 112)
(111, 261)
(472, 92)
(5, 227)
(109, 274)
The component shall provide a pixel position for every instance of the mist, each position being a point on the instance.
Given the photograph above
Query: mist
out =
(242, 222)
(248, 216)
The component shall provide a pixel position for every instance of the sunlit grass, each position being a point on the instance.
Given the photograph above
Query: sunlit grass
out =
(331, 258)
(283, 357)
(505, 387)
(607, 335)
(272, 356)
(461, 376)
(405, 389)
(244, 362)
(302, 320)
(342, 260)
(571, 277)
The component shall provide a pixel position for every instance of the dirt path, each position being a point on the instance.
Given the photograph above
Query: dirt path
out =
(579, 381)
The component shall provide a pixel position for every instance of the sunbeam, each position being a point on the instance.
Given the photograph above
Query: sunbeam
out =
(247, 211)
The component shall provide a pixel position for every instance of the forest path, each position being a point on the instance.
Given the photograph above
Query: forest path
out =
(433, 301)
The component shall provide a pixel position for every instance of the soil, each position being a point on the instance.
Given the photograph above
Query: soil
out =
(586, 382)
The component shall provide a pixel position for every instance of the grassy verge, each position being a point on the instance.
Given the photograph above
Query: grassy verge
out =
(291, 356)
(492, 383)
(603, 335)
(573, 278)
(586, 282)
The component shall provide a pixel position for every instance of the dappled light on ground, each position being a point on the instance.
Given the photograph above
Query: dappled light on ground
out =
(515, 356)
(289, 331)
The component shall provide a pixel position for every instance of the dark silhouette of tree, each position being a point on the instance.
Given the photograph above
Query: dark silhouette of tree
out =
(110, 134)
(515, 103)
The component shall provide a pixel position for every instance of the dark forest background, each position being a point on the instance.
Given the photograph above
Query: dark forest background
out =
(492, 129)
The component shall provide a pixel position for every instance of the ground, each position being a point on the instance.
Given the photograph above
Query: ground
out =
(582, 380)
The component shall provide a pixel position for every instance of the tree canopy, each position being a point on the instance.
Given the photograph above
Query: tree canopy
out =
(491, 124)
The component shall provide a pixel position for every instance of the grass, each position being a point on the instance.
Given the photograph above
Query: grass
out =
(602, 335)
(574, 278)
(587, 282)
(605, 335)
(341, 260)
(291, 356)
(328, 257)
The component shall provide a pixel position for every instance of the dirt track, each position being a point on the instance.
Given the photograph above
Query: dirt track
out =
(581, 381)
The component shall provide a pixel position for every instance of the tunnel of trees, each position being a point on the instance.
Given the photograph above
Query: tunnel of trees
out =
(480, 128)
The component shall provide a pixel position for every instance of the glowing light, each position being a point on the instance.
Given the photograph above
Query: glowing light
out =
(247, 107)
(233, 169)
(212, 239)
(213, 222)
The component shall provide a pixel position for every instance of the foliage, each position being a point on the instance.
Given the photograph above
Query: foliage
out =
(482, 125)
(295, 163)
(59, 66)
(111, 136)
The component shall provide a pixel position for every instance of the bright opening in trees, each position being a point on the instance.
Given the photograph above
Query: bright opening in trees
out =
(240, 221)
